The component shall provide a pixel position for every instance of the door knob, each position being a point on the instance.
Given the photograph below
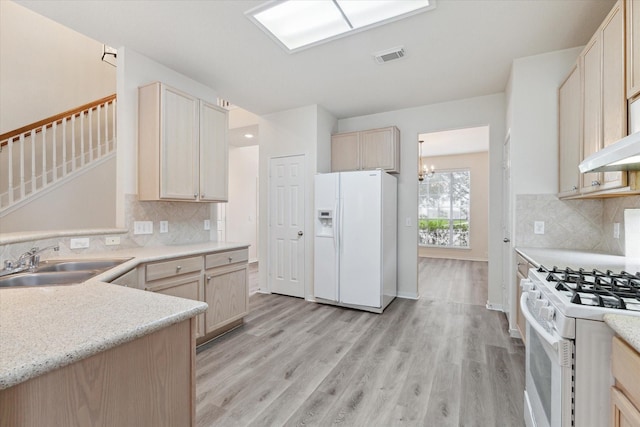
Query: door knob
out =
(300, 233)
(506, 240)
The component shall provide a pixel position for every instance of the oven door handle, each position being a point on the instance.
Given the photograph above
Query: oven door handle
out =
(550, 339)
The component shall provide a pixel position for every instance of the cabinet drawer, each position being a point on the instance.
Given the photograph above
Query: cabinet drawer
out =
(523, 266)
(625, 367)
(175, 267)
(226, 258)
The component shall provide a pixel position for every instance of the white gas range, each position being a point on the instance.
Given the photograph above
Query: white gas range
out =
(569, 345)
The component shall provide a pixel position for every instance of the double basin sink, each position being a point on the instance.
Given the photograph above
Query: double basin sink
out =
(60, 272)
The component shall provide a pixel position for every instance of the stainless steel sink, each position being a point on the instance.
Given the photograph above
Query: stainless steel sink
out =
(44, 279)
(74, 265)
(60, 272)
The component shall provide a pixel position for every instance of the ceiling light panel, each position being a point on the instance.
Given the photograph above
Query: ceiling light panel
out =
(362, 13)
(299, 24)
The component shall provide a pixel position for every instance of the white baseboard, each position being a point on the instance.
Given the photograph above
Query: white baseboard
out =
(408, 296)
(495, 307)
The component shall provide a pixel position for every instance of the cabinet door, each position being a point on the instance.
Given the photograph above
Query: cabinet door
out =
(214, 153)
(570, 111)
(345, 152)
(380, 149)
(179, 145)
(189, 288)
(226, 293)
(623, 413)
(633, 47)
(592, 110)
(614, 103)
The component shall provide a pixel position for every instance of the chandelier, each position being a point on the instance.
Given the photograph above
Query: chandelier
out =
(423, 170)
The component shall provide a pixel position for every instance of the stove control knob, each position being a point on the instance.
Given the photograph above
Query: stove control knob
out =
(540, 303)
(526, 287)
(534, 295)
(547, 313)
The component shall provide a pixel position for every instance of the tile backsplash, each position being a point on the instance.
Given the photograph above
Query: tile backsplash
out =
(186, 225)
(572, 224)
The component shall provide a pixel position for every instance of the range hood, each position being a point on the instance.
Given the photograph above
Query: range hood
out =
(624, 155)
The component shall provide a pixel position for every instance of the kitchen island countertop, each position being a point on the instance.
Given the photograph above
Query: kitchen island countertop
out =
(47, 327)
(627, 327)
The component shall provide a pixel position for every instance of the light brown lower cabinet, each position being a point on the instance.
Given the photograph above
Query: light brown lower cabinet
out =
(625, 394)
(226, 294)
(146, 382)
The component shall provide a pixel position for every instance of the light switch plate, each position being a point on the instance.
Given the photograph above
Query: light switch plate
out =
(538, 227)
(143, 227)
(164, 226)
(407, 221)
(616, 230)
(80, 243)
(207, 224)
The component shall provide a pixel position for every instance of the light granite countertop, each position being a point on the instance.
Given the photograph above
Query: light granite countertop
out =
(48, 327)
(579, 259)
(627, 327)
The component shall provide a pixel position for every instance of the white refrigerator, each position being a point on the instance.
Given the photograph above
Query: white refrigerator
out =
(355, 244)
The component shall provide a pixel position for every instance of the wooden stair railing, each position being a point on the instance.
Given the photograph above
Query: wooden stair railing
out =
(37, 155)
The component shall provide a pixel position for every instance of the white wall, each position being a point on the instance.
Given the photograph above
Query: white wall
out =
(487, 110)
(242, 208)
(136, 70)
(84, 201)
(532, 116)
(301, 131)
(46, 68)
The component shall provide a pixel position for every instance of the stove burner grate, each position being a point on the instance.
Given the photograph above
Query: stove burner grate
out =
(597, 288)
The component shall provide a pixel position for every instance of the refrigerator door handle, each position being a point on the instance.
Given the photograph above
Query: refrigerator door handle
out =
(337, 222)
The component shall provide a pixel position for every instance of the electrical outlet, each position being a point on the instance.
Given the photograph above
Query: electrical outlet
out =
(616, 230)
(112, 241)
(538, 227)
(164, 226)
(207, 224)
(143, 227)
(80, 243)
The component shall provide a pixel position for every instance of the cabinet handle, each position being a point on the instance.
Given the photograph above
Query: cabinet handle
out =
(595, 183)
(230, 259)
(195, 195)
(209, 278)
(574, 188)
(178, 268)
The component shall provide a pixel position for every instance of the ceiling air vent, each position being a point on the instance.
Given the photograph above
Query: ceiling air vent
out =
(389, 55)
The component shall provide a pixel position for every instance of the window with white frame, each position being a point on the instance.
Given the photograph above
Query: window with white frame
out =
(444, 209)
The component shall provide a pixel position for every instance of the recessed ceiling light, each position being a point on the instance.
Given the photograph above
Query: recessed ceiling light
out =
(248, 135)
(299, 24)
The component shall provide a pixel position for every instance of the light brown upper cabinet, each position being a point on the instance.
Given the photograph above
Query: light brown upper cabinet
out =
(366, 150)
(604, 101)
(182, 146)
(570, 124)
(633, 47)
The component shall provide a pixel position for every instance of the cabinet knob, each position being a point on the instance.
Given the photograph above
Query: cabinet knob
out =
(209, 278)
(201, 194)
(595, 183)
(575, 188)
(195, 195)
(178, 268)
(230, 259)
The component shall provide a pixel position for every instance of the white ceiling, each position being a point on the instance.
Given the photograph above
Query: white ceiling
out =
(462, 49)
(457, 141)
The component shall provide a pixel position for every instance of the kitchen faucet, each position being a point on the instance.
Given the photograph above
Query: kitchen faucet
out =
(27, 261)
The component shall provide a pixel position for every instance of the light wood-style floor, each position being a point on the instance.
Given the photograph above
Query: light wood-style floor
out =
(444, 360)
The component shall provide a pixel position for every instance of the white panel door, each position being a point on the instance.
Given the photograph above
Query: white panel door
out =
(286, 226)
(360, 238)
